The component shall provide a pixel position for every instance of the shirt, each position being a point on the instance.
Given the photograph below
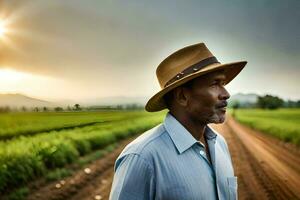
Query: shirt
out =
(168, 163)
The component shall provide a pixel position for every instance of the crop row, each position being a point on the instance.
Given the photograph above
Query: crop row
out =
(25, 158)
(16, 124)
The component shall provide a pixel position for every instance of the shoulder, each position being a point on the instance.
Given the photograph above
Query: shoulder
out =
(144, 145)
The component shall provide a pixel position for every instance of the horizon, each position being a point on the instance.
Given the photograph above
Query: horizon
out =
(126, 100)
(87, 50)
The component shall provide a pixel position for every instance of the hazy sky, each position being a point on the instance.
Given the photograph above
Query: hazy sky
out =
(75, 49)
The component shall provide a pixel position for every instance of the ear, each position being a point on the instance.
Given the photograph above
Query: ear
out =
(181, 96)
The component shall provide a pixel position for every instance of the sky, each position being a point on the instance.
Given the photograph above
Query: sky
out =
(71, 49)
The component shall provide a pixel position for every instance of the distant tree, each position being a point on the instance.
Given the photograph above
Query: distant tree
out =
(77, 106)
(58, 109)
(235, 106)
(269, 102)
(292, 104)
(36, 109)
(120, 107)
(298, 104)
(5, 109)
(133, 106)
(69, 108)
(23, 109)
(45, 109)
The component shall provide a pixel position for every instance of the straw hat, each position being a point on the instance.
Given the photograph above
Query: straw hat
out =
(184, 65)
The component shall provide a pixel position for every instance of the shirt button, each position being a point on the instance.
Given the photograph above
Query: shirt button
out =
(202, 152)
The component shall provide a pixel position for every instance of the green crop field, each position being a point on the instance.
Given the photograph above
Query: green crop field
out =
(16, 124)
(45, 141)
(282, 123)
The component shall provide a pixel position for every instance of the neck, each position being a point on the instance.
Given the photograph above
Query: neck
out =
(195, 128)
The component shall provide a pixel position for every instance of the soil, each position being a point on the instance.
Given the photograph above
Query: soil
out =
(267, 168)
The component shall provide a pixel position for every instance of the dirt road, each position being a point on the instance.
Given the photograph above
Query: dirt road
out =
(266, 169)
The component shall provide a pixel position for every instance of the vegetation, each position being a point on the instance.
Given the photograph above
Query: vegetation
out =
(61, 173)
(264, 102)
(58, 174)
(16, 124)
(19, 194)
(269, 102)
(76, 107)
(25, 158)
(281, 123)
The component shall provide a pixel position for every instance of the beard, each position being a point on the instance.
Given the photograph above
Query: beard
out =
(215, 116)
(208, 116)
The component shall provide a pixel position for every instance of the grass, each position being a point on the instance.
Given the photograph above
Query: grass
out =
(282, 123)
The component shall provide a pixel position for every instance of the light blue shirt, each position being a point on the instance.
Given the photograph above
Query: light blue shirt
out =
(168, 163)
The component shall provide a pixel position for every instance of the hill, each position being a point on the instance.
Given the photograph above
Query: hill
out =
(245, 100)
(19, 100)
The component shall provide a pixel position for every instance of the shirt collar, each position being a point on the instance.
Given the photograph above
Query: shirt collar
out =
(180, 136)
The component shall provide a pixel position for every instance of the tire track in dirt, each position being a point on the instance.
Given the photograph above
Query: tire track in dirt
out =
(249, 187)
(266, 168)
(99, 189)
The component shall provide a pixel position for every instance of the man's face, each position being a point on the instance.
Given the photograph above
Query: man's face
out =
(206, 98)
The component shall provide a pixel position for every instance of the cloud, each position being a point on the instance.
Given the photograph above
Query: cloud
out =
(115, 46)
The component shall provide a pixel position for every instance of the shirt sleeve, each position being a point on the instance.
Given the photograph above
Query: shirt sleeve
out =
(133, 179)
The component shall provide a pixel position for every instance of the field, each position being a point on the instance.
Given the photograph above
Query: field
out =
(16, 124)
(32, 144)
(282, 123)
(70, 155)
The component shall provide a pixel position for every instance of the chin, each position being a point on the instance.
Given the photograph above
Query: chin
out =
(221, 121)
(218, 119)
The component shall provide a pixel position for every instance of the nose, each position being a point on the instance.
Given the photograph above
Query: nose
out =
(224, 94)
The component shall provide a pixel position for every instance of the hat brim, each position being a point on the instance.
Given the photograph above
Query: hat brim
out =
(157, 103)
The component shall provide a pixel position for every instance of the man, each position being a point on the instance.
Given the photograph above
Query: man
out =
(183, 158)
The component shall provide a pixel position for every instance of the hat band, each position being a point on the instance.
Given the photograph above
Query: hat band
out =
(192, 69)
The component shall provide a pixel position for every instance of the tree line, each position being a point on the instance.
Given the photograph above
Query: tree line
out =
(76, 107)
(267, 102)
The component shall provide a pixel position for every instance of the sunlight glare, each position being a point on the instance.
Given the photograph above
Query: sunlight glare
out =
(13, 81)
(3, 28)
(9, 75)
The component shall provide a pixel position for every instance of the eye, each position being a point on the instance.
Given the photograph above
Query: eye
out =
(214, 84)
(218, 83)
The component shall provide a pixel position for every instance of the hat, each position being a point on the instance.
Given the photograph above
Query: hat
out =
(184, 65)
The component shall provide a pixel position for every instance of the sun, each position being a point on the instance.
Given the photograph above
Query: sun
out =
(3, 28)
